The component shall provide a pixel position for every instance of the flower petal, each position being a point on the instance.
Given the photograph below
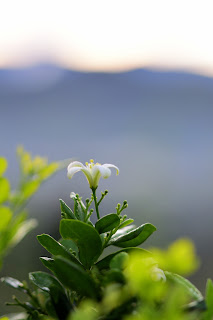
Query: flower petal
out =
(71, 171)
(75, 164)
(104, 171)
(108, 165)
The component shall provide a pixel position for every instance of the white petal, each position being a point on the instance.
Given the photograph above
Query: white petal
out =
(88, 175)
(108, 165)
(75, 164)
(104, 171)
(72, 171)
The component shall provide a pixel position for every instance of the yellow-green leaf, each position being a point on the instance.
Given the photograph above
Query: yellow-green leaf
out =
(4, 189)
(5, 217)
(3, 165)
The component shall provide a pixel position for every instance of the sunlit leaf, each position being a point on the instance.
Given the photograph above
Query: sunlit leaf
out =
(5, 217)
(3, 165)
(4, 189)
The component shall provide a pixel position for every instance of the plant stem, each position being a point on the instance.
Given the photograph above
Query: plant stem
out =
(95, 201)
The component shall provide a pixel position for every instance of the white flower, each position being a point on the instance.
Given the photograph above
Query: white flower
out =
(92, 171)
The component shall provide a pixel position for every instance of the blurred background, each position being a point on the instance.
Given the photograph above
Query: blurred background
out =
(123, 82)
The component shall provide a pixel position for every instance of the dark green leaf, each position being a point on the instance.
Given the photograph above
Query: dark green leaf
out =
(74, 277)
(107, 223)
(86, 238)
(48, 283)
(134, 237)
(114, 276)
(55, 248)
(70, 245)
(66, 211)
(105, 262)
(191, 290)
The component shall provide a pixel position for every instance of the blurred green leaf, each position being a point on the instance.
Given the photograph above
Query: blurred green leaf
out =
(48, 283)
(23, 229)
(75, 278)
(191, 290)
(119, 261)
(208, 314)
(86, 238)
(3, 165)
(5, 217)
(134, 237)
(55, 248)
(14, 283)
(105, 262)
(30, 188)
(107, 223)
(4, 190)
(66, 211)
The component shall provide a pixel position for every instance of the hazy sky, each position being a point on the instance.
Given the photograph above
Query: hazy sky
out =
(108, 35)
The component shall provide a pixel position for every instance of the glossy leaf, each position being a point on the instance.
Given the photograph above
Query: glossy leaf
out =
(48, 283)
(105, 262)
(74, 277)
(86, 238)
(4, 189)
(191, 290)
(66, 211)
(70, 245)
(3, 165)
(134, 237)
(126, 223)
(55, 248)
(5, 217)
(107, 223)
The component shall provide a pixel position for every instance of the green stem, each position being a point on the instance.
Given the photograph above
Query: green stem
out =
(95, 201)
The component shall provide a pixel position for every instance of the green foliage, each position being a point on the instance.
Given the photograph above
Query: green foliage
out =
(14, 224)
(129, 284)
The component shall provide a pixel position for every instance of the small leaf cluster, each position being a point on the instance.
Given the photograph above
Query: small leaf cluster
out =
(78, 270)
(14, 224)
(83, 282)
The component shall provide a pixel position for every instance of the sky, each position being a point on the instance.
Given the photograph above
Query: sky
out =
(110, 35)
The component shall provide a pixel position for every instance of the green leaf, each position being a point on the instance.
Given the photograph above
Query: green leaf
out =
(55, 248)
(208, 315)
(105, 262)
(79, 207)
(66, 211)
(4, 189)
(16, 284)
(134, 237)
(107, 223)
(5, 217)
(126, 223)
(86, 238)
(191, 290)
(48, 283)
(70, 245)
(115, 276)
(3, 165)
(29, 188)
(74, 277)
(119, 261)
(23, 229)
